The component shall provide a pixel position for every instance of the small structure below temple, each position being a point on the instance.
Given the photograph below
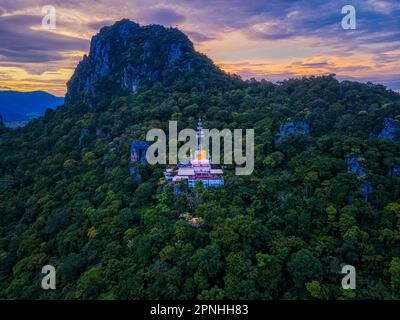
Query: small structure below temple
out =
(198, 170)
(195, 222)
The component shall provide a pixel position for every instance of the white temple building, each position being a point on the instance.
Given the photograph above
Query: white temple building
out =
(199, 168)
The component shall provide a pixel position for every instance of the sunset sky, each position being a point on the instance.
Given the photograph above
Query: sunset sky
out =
(268, 39)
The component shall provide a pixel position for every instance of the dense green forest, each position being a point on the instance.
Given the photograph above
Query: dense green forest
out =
(67, 197)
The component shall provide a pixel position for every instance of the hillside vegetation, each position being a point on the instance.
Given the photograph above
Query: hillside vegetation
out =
(284, 232)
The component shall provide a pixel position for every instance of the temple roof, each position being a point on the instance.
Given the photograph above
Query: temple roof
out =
(185, 172)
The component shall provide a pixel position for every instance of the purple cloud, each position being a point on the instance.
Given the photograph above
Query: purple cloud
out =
(20, 43)
(199, 37)
(164, 16)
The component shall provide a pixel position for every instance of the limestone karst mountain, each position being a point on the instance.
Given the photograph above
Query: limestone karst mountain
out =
(126, 56)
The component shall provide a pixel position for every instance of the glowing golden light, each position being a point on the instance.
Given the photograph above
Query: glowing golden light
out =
(201, 155)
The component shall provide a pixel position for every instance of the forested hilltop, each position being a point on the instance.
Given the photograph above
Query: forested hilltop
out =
(324, 192)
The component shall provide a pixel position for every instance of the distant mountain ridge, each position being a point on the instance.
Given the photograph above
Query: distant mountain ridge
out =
(22, 106)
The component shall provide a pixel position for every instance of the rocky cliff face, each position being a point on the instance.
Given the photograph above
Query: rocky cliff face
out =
(292, 128)
(354, 166)
(390, 130)
(127, 56)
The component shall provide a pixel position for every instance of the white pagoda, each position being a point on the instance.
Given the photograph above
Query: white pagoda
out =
(199, 168)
